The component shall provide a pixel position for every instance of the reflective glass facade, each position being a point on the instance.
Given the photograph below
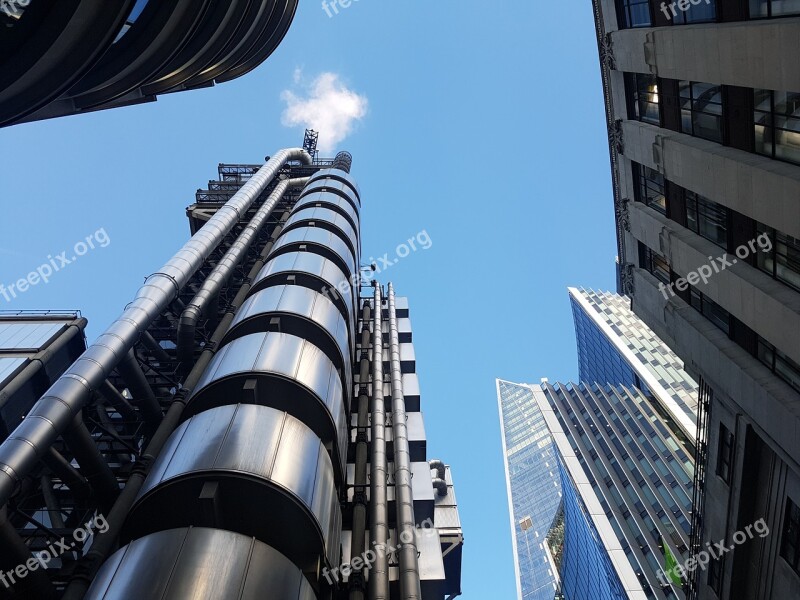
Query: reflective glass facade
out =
(615, 346)
(586, 571)
(534, 488)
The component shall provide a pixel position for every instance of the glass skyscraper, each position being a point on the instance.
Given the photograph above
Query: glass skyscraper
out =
(534, 488)
(615, 346)
(608, 463)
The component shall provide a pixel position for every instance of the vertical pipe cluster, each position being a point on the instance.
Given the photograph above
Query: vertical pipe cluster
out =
(360, 479)
(404, 500)
(379, 509)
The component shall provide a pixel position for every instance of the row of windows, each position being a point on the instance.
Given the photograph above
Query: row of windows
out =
(775, 360)
(639, 13)
(711, 220)
(776, 114)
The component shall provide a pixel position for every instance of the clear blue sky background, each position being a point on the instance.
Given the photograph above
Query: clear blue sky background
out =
(485, 129)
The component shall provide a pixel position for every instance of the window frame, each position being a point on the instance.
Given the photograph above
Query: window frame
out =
(726, 446)
(703, 208)
(624, 14)
(693, 110)
(790, 535)
(770, 127)
(778, 239)
(645, 182)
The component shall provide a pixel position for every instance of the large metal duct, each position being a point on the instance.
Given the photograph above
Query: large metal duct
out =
(199, 563)
(53, 414)
(285, 372)
(209, 292)
(314, 272)
(406, 523)
(379, 507)
(343, 206)
(299, 311)
(330, 176)
(320, 241)
(325, 218)
(232, 468)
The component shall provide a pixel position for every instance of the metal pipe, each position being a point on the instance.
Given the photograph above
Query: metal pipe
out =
(68, 474)
(92, 464)
(404, 498)
(105, 543)
(13, 553)
(155, 348)
(142, 393)
(440, 481)
(360, 478)
(52, 503)
(53, 414)
(209, 292)
(438, 466)
(378, 475)
(118, 401)
(440, 485)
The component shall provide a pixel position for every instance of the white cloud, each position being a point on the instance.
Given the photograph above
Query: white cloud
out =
(327, 106)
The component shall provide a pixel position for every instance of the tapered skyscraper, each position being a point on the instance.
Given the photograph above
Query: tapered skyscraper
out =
(600, 474)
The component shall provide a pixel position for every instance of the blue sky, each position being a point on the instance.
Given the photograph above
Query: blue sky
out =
(484, 129)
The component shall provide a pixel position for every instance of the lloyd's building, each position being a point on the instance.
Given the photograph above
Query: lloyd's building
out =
(249, 427)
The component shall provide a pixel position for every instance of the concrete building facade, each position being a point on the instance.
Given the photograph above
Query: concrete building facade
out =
(702, 104)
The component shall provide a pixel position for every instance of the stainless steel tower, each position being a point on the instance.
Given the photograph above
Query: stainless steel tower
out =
(249, 427)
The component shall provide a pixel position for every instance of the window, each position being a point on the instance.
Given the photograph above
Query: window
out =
(644, 93)
(656, 265)
(633, 13)
(704, 12)
(701, 110)
(715, 574)
(710, 310)
(773, 8)
(650, 188)
(777, 124)
(780, 364)
(707, 218)
(790, 538)
(725, 449)
(782, 261)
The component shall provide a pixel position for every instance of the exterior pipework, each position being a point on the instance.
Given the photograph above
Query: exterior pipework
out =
(379, 513)
(360, 477)
(53, 414)
(406, 523)
(209, 291)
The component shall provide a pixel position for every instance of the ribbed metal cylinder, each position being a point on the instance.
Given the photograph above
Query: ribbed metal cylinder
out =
(198, 562)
